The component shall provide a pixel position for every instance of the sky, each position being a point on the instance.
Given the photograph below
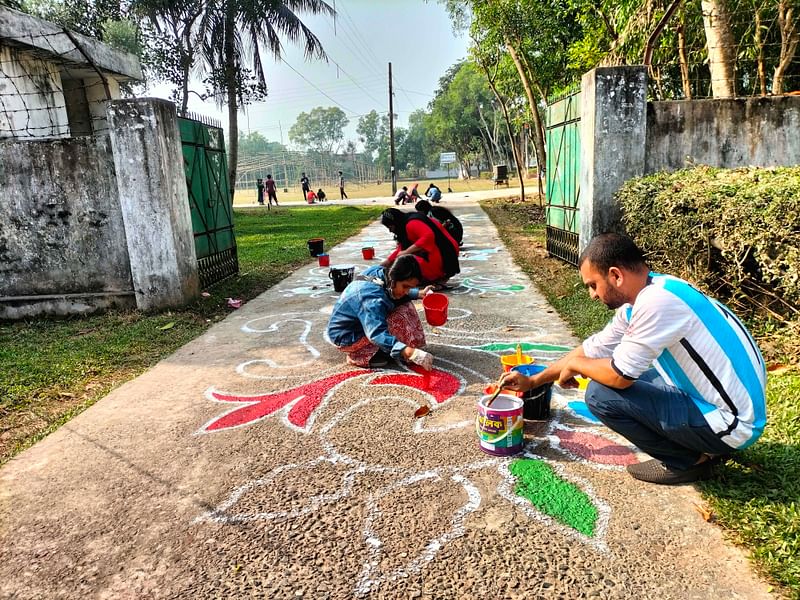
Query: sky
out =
(414, 35)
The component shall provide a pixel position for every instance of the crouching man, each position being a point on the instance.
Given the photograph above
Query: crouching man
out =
(674, 372)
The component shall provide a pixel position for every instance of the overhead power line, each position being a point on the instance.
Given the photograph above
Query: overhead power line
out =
(312, 84)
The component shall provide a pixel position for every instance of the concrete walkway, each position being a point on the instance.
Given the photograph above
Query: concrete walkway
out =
(255, 463)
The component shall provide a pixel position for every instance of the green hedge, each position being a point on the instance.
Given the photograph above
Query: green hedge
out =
(733, 232)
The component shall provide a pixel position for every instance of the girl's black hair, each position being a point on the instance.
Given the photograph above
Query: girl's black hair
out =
(423, 206)
(404, 268)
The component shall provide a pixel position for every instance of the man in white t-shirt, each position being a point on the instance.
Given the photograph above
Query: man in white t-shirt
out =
(674, 372)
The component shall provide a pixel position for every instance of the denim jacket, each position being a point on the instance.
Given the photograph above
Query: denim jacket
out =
(363, 310)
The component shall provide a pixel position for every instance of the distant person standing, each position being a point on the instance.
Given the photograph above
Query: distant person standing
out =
(260, 188)
(341, 186)
(272, 193)
(304, 183)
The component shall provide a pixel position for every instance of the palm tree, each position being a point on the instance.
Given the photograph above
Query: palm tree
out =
(236, 35)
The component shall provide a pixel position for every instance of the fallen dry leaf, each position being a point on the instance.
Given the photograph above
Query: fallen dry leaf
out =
(436, 331)
(66, 395)
(421, 412)
(707, 515)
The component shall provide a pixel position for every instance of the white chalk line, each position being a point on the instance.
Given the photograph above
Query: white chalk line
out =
(368, 578)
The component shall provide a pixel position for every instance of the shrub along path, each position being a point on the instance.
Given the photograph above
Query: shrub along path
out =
(254, 462)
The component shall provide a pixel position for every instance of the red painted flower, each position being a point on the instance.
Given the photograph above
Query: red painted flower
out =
(303, 400)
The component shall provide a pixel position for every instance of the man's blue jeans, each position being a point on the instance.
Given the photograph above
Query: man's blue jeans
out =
(658, 418)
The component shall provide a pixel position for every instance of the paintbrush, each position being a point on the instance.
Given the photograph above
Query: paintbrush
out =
(496, 392)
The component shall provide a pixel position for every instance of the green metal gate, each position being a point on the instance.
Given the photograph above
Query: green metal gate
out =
(563, 173)
(210, 199)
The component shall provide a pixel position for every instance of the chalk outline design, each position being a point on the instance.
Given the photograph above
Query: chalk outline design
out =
(370, 578)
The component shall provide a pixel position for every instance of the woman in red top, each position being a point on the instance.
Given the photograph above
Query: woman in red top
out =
(434, 248)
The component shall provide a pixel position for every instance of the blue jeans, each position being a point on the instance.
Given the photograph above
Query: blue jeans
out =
(658, 418)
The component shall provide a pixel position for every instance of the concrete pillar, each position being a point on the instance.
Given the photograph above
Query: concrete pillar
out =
(96, 100)
(613, 137)
(155, 204)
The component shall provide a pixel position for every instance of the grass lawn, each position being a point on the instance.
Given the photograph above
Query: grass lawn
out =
(374, 190)
(755, 499)
(50, 370)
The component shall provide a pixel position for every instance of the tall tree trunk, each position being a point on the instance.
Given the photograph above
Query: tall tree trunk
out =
(233, 94)
(509, 131)
(538, 137)
(683, 59)
(721, 47)
(789, 39)
(759, 42)
(184, 90)
(493, 146)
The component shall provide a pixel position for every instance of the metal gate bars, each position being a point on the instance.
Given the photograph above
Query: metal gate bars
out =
(563, 172)
(210, 199)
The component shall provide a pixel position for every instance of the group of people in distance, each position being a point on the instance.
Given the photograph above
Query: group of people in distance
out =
(674, 372)
(309, 195)
(403, 196)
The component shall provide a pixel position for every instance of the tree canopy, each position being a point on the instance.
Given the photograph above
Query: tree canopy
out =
(321, 129)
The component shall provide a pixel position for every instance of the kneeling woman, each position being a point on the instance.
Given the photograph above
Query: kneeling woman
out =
(375, 319)
(426, 239)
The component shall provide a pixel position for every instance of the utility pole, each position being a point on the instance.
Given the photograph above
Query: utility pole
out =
(285, 173)
(391, 133)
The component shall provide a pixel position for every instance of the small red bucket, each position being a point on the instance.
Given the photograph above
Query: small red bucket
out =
(324, 260)
(435, 306)
(368, 253)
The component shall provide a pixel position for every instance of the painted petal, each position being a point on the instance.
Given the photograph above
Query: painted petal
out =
(441, 385)
(595, 448)
(552, 495)
(306, 397)
(580, 409)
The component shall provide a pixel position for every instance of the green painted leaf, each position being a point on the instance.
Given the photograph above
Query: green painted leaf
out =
(552, 495)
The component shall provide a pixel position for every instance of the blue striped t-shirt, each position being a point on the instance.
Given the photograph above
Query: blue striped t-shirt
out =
(697, 345)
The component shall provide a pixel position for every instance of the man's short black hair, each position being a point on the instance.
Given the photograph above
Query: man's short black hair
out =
(613, 250)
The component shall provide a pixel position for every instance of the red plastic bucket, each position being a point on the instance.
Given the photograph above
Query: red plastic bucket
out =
(368, 253)
(435, 306)
(324, 260)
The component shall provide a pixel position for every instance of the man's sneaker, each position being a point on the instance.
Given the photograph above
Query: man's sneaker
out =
(655, 471)
(381, 359)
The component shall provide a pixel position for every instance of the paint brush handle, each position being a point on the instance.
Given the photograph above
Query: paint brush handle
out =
(496, 392)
